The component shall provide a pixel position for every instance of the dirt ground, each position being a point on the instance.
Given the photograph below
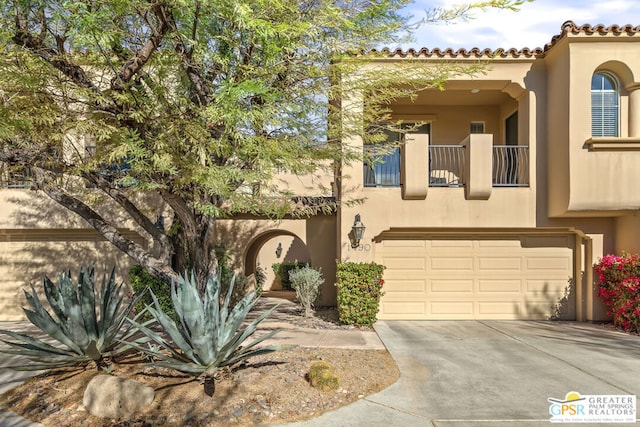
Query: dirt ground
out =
(268, 389)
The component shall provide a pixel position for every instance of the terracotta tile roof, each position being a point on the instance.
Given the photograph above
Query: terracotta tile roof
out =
(569, 27)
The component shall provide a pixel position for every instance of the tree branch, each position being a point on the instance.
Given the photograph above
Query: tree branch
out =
(25, 39)
(109, 232)
(141, 219)
(134, 64)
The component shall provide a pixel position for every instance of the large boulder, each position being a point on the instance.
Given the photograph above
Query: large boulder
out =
(107, 396)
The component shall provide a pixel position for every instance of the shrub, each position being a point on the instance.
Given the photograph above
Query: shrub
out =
(140, 279)
(90, 325)
(261, 278)
(209, 335)
(321, 375)
(282, 270)
(306, 281)
(227, 275)
(359, 292)
(619, 289)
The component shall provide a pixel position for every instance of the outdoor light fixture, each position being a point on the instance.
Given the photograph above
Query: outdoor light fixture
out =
(279, 250)
(357, 231)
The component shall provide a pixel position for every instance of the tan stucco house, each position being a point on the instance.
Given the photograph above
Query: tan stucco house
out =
(496, 207)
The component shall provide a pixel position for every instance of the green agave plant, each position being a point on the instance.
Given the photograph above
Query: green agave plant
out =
(208, 336)
(91, 326)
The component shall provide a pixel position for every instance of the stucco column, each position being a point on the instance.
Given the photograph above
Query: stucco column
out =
(478, 166)
(415, 166)
(634, 110)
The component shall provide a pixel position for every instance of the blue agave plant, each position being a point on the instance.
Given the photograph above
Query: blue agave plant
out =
(208, 335)
(90, 325)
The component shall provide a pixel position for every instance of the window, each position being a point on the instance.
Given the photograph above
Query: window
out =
(605, 105)
(382, 162)
(13, 176)
(476, 127)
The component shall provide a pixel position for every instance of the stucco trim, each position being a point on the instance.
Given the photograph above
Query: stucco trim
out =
(421, 233)
(60, 235)
(613, 144)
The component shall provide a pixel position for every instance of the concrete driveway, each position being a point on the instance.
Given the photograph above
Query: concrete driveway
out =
(487, 373)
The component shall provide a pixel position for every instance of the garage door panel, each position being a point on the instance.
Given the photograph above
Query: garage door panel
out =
(497, 244)
(452, 308)
(558, 263)
(412, 244)
(402, 309)
(500, 263)
(451, 263)
(513, 286)
(499, 310)
(403, 286)
(451, 285)
(450, 244)
(515, 278)
(554, 287)
(405, 263)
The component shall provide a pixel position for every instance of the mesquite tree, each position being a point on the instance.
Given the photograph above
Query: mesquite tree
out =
(196, 103)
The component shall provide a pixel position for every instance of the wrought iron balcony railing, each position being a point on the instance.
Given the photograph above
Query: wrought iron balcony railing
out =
(446, 165)
(510, 166)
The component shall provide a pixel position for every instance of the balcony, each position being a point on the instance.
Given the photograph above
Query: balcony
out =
(447, 163)
(475, 164)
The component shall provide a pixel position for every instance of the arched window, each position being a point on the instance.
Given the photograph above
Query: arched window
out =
(605, 105)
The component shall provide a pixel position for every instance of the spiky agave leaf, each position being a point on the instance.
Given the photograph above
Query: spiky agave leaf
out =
(87, 329)
(209, 335)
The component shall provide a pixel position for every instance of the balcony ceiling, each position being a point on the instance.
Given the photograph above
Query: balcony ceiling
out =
(462, 97)
(466, 92)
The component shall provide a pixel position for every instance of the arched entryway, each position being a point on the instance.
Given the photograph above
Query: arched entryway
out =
(274, 246)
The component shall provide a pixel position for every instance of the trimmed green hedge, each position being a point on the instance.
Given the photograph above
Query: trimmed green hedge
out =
(282, 269)
(359, 292)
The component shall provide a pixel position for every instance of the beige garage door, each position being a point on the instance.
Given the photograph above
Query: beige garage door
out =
(524, 277)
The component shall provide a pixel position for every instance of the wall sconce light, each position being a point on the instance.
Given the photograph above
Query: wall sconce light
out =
(279, 250)
(357, 231)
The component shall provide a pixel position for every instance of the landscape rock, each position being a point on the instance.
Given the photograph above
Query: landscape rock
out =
(113, 397)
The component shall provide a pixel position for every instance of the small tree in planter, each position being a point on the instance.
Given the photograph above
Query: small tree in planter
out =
(359, 292)
(306, 282)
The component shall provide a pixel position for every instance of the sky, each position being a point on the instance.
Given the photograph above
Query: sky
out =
(533, 26)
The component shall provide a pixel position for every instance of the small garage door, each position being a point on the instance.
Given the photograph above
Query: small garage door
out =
(520, 277)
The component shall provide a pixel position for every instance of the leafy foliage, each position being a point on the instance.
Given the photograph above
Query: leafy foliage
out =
(89, 324)
(261, 278)
(306, 281)
(619, 289)
(195, 103)
(359, 292)
(208, 335)
(282, 271)
(228, 276)
(140, 280)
